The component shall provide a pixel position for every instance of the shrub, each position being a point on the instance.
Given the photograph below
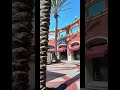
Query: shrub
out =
(58, 61)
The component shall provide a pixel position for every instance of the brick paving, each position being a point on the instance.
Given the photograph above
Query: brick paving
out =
(66, 73)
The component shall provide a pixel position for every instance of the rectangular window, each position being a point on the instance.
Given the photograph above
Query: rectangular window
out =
(96, 8)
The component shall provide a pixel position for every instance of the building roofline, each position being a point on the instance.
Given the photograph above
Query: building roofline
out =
(62, 27)
(66, 25)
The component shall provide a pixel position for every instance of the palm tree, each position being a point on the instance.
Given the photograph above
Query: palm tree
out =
(21, 42)
(45, 7)
(58, 6)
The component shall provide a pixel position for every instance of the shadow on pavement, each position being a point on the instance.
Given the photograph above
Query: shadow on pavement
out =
(53, 75)
(61, 87)
(67, 83)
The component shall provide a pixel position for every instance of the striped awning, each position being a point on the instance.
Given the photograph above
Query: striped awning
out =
(62, 49)
(74, 48)
(96, 51)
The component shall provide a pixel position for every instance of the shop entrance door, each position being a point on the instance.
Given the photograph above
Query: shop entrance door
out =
(76, 54)
(63, 55)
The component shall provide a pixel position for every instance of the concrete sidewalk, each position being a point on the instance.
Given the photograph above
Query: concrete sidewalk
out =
(65, 74)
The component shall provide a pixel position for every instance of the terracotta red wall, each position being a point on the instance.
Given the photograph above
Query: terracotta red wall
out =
(51, 42)
(97, 27)
(75, 38)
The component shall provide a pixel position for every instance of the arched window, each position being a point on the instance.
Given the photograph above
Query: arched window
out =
(96, 8)
(62, 34)
(74, 29)
(51, 36)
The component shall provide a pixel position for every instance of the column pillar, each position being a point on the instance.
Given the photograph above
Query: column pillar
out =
(70, 58)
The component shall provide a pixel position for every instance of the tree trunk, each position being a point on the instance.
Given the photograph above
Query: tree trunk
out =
(56, 18)
(21, 42)
(45, 7)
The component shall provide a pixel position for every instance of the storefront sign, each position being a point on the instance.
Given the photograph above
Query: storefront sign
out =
(62, 40)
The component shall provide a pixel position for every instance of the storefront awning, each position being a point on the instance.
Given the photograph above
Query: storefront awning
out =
(74, 48)
(63, 49)
(96, 51)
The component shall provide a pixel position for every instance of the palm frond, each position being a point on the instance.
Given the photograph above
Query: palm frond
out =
(62, 3)
(51, 14)
(64, 9)
(58, 5)
(65, 5)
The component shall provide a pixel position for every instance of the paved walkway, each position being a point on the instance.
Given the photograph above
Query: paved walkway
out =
(66, 74)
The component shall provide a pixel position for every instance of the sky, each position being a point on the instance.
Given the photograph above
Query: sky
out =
(67, 16)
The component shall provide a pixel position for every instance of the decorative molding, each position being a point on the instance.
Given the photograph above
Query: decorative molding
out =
(75, 42)
(61, 45)
(96, 37)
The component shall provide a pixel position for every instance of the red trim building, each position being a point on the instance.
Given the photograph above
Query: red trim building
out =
(96, 42)
(68, 42)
